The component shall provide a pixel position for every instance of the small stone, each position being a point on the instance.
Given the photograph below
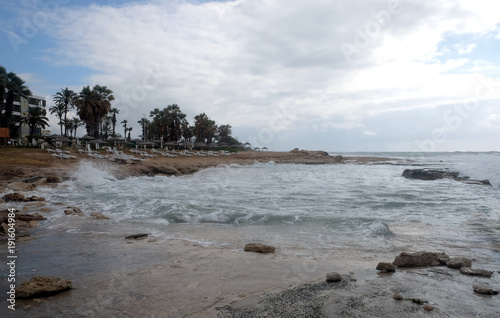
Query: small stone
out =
(484, 289)
(397, 296)
(478, 272)
(333, 277)
(459, 262)
(53, 179)
(386, 267)
(37, 204)
(34, 198)
(259, 248)
(73, 210)
(428, 307)
(45, 210)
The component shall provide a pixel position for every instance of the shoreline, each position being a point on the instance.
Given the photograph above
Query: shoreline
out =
(170, 276)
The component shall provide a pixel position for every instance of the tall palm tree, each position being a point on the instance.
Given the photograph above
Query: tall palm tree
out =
(114, 111)
(76, 123)
(124, 122)
(144, 122)
(93, 104)
(35, 118)
(67, 98)
(58, 109)
(15, 88)
(129, 130)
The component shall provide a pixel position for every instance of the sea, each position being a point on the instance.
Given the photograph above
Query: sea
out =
(304, 210)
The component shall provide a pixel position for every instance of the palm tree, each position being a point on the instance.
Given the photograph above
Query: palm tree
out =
(58, 109)
(67, 98)
(114, 111)
(93, 104)
(124, 122)
(144, 122)
(15, 88)
(129, 130)
(35, 118)
(204, 128)
(76, 123)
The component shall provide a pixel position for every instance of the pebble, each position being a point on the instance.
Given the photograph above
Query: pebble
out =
(397, 296)
(428, 308)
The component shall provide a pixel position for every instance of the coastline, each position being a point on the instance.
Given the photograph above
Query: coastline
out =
(172, 277)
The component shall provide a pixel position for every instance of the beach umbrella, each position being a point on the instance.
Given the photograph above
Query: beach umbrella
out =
(115, 139)
(86, 138)
(264, 148)
(96, 142)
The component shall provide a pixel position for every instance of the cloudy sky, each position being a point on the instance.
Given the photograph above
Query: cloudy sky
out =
(345, 75)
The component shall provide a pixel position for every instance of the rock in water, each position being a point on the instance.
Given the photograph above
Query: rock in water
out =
(99, 216)
(459, 262)
(397, 296)
(258, 248)
(478, 272)
(42, 286)
(13, 197)
(484, 289)
(386, 267)
(333, 277)
(428, 307)
(420, 259)
(136, 236)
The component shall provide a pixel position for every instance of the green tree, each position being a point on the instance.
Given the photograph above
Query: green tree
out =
(58, 110)
(129, 130)
(35, 118)
(77, 122)
(3, 85)
(144, 122)
(224, 132)
(66, 97)
(124, 122)
(93, 104)
(204, 128)
(114, 111)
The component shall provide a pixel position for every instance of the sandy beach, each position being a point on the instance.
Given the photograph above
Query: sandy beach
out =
(169, 277)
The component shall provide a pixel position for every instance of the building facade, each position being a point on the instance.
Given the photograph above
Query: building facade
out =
(20, 108)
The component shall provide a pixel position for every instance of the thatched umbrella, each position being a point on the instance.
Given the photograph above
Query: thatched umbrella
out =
(86, 138)
(96, 142)
(115, 139)
(264, 148)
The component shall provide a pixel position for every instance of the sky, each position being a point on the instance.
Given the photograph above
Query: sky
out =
(339, 76)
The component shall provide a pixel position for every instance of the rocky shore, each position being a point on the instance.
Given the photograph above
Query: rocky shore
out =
(101, 270)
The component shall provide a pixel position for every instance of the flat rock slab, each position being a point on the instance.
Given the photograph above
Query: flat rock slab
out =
(459, 262)
(41, 286)
(137, 236)
(419, 259)
(485, 289)
(259, 248)
(478, 272)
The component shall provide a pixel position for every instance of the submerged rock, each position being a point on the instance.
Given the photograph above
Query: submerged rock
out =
(259, 248)
(429, 174)
(478, 272)
(40, 286)
(418, 259)
(72, 210)
(484, 289)
(386, 267)
(136, 236)
(99, 216)
(333, 277)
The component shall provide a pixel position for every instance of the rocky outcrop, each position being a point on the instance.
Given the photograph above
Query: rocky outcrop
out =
(420, 259)
(20, 186)
(429, 174)
(41, 286)
(258, 248)
(14, 196)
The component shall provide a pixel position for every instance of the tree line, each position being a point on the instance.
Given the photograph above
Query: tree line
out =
(95, 112)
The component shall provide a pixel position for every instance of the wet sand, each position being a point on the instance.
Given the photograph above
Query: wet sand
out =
(171, 277)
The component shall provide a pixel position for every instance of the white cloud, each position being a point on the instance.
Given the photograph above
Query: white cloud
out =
(243, 61)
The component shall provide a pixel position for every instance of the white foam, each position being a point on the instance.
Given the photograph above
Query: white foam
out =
(89, 174)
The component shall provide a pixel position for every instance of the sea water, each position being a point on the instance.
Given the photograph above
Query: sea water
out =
(300, 208)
